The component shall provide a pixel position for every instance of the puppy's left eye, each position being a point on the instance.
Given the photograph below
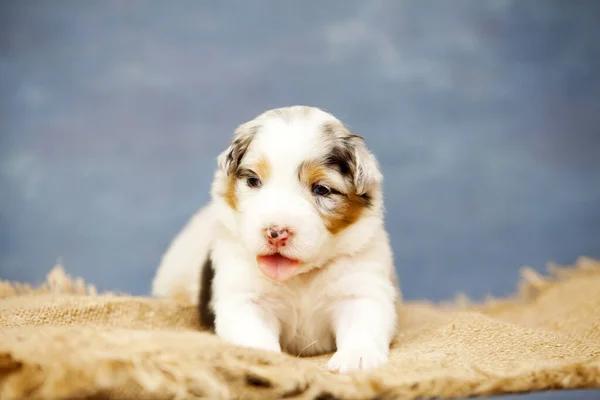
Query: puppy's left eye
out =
(320, 190)
(253, 182)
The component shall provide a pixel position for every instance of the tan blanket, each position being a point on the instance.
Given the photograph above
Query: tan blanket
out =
(64, 341)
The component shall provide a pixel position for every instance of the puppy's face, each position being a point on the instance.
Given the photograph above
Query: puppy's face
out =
(296, 180)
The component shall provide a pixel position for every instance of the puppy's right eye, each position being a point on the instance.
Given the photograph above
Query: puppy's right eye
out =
(320, 190)
(253, 182)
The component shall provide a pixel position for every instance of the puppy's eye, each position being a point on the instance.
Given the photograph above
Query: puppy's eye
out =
(320, 190)
(253, 182)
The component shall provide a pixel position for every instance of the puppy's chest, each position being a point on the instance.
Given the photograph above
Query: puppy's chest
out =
(304, 311)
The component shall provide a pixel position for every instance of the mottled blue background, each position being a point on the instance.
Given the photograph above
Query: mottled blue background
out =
(485, 116)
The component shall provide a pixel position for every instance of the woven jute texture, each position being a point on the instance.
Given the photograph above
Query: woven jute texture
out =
(65, 341)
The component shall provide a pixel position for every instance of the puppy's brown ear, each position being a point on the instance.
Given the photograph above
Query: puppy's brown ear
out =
(230, 159)
(367, 174)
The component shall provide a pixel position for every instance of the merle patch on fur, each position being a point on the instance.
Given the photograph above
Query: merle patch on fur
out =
(207, 316)
(239, 147)
(340, 157)
(367, 198)
(328, 129)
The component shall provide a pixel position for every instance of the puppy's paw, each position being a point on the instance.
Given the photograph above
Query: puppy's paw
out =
(356, 358)
(245, 324)
(256, 343)
(253, 338)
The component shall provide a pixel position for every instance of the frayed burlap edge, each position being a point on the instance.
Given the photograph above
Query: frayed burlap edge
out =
(57, 282)
(531, 285)
(159, 381)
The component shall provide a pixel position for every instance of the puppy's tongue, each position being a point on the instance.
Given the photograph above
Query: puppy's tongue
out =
(277, 267)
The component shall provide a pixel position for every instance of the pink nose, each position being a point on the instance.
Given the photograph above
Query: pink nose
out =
(277, 235)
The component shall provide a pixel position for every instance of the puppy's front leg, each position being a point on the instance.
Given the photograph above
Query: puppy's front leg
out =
(364, 327)
(241, 321)
(239, 317)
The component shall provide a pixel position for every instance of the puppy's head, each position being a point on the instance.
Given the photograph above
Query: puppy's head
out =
(299, 186)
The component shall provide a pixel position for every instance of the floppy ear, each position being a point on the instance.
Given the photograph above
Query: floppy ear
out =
(366, 168)
(229, 160)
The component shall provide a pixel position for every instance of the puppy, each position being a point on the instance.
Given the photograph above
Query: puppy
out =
(291, 253)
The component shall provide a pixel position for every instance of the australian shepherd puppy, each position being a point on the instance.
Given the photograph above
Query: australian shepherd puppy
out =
(291, 254)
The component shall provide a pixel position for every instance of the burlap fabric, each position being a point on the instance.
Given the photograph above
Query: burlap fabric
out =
(64, 341)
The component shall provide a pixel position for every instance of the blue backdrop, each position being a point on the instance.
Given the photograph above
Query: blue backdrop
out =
(485, 116)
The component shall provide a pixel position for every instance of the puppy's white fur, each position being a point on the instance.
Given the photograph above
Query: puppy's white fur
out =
(343, 296)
